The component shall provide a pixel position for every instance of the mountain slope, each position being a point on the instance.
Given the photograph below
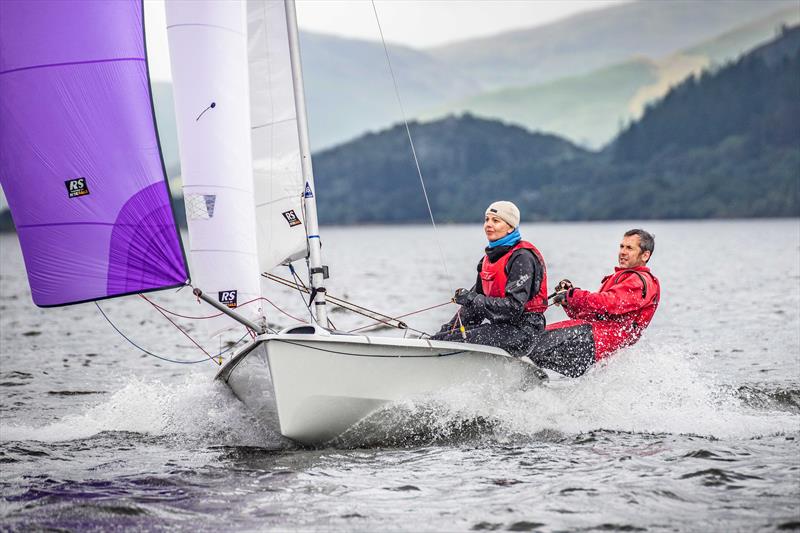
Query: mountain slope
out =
(589, 109)
(726, 144)
(592, 40)
(758, 97)
(349, 88)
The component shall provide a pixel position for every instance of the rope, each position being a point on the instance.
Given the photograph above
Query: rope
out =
(310, 347)
(299, 283)
(378, 321)
(448, 302)
(333, 300)
(404, 316)
(209, 358)
(220, 314)
(284, 312)
(173, 313)
(410, 140)
(180, 329)
(378, 318)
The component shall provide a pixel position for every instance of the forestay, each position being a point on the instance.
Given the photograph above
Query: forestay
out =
(208, 54)
(279, 185)
(79, 157)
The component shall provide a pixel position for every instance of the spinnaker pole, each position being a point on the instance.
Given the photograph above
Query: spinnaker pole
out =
(316, 271)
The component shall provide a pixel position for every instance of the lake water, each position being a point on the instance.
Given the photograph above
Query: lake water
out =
(696, 428)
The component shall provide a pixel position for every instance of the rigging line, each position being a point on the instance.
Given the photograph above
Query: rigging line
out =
(374, 315)
(284, 312)
(173, 313)
(350, 306)
(159, 356)
(300, 283)
(181, 330)
(410, 140)
(448, 302)
(404, 316)
(311, 347)
(378, 323)
(378, 318)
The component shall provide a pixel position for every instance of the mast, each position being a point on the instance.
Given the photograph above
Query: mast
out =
(316, 271)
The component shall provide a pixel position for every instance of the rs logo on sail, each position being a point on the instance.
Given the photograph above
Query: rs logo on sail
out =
(228, 298)
(291, 218)
(77, 187)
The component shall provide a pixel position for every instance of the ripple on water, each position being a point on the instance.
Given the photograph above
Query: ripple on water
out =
(15, 379)
(716, 476)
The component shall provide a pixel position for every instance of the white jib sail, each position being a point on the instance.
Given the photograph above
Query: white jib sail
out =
(279, 185)
(208, 54)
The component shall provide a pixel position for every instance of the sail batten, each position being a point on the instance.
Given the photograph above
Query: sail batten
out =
(80, 163)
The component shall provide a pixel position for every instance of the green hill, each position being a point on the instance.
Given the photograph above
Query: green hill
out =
(587, 109)
(465, 160)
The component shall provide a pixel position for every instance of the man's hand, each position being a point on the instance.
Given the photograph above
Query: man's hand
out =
(560, 298)
(464, 296)
(563, 285)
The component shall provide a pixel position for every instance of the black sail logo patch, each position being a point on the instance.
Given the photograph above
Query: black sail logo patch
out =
(291, 218)
(77, 187)
(228, 298)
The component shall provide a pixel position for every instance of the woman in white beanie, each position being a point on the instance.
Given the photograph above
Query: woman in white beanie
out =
(505, 308)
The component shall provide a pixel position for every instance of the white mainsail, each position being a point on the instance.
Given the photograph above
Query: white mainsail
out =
(279, 184)
(208, 53)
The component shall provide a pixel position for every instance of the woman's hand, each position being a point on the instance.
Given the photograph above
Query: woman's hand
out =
(464, 297)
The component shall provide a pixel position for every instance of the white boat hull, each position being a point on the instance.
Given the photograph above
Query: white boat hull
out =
(315, 386)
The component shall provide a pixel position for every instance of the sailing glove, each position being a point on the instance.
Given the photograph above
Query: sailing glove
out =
(464, 296)
(560, 298)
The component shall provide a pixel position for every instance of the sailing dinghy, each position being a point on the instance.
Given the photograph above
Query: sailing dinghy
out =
(78, 123)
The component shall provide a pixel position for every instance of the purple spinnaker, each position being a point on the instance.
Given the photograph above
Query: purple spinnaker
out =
(80, 163)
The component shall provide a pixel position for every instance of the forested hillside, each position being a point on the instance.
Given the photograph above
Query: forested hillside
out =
(464, 160)
(731, 137)
(724, 144)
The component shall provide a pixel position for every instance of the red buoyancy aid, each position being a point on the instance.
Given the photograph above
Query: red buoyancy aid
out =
(620, 311)
(494, 278)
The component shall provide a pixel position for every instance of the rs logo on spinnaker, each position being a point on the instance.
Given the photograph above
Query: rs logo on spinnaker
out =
(228, 298)
(77, 187)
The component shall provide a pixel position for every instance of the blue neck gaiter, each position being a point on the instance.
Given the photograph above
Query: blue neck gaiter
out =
(509, 240)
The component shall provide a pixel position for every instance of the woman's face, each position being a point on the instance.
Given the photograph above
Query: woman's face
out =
(495, 227)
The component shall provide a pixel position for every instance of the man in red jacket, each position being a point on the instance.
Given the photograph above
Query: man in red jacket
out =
(604, 321)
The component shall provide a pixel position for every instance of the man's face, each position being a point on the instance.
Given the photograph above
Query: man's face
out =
(495, 227)
(631, 254)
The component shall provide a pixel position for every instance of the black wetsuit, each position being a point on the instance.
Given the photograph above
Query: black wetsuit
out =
(568, 351)
(509, 327)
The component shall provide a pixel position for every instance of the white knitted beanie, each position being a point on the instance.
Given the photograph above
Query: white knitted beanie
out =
(505, 210)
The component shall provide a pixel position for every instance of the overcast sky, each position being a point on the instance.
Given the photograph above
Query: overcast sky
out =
(416, 23)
